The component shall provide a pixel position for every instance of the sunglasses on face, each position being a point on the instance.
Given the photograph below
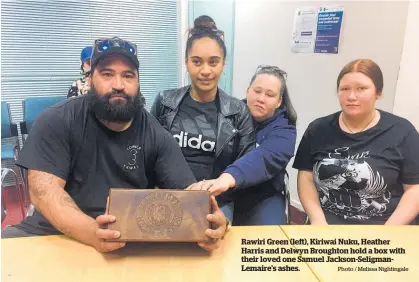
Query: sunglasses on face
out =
(275, 69)
(104, 44)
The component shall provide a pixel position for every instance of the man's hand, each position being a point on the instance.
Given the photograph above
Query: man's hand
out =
(101, 234)
(218, 218)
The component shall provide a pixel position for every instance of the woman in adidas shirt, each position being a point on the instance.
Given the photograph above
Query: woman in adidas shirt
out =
(212, 128)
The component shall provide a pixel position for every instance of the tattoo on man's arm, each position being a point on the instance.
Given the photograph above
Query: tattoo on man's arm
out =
(55, 222)
(47, 192)
(67, 201)
(39, 184)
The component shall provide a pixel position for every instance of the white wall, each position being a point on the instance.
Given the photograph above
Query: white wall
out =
(263, 30)
(406, 103)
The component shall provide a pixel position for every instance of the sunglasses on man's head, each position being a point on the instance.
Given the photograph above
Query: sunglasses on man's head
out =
(206, 30)
(272, 69)
(104, 44)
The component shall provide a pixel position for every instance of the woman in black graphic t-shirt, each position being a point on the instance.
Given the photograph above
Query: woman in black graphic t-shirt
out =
(212, 128)
(359, 165)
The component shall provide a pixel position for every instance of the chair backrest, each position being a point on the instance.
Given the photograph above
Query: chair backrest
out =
(33, 106)
(7, 128)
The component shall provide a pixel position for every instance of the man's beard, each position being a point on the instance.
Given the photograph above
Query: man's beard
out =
(117, 111)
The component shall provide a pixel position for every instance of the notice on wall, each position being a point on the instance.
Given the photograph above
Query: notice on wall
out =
(329, 23)
(304, 30)
(317, 29)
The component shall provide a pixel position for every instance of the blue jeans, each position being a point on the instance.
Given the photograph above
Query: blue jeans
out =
(228, 210)
(267, 211)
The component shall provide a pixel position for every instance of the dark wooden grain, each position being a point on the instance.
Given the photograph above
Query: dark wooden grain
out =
(159, 215)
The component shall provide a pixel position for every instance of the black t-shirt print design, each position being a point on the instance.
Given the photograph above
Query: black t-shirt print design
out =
(350, 186)
(195, 130)
(359, 177)
(132, 164)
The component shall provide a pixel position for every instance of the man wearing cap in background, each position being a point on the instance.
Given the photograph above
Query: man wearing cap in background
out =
(82, 146)
(81, 86)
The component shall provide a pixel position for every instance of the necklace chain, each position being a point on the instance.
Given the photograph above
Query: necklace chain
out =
(375, 112)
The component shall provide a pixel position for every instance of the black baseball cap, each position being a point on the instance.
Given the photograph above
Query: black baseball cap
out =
(114, 45)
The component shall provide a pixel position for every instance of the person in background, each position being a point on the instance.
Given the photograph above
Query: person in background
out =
(359, 165)
(258, 178)
(212, 128)
(79, 148)
(81, 86)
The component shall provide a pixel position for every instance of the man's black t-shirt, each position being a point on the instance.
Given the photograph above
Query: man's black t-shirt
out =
(68, 141)
(195, 130)
(360, 176)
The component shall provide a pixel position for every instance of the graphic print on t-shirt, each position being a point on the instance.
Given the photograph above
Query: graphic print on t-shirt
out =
(194, 128)
(197, 134)
(132, 164)
(349, 186)
(194, 142)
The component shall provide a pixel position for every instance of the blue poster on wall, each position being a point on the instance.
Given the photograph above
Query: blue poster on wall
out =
(329, 22)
